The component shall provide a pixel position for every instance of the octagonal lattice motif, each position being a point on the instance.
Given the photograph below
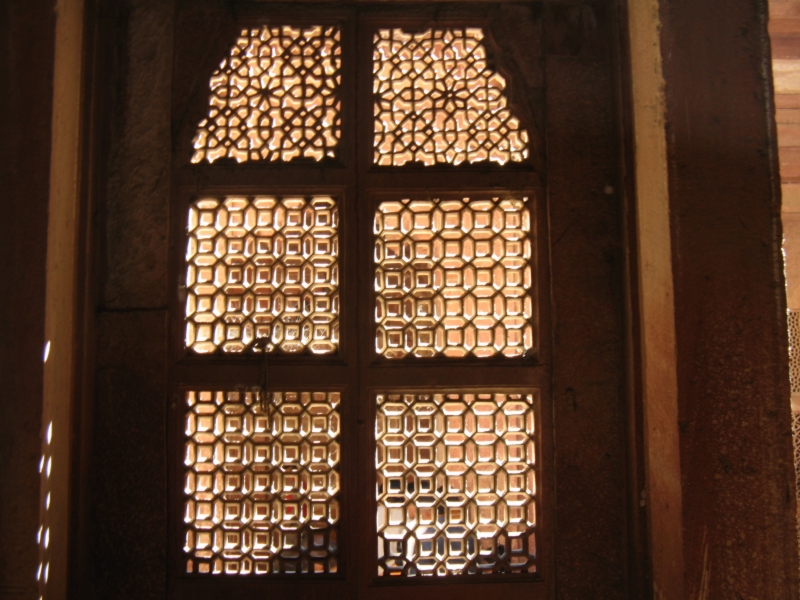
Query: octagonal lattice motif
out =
(261, 488)
(793, 321)
(275, 97)
(436, 101)
(263, 267)
(453, 278)
(456, 483)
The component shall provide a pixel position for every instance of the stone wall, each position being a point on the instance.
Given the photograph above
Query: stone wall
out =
(733, 384)
(27, 31)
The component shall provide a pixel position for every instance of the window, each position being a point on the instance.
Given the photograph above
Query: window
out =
(357, 344)
(262, 268)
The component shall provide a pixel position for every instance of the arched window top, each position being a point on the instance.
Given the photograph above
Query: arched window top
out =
(438, 102)
(275, 97)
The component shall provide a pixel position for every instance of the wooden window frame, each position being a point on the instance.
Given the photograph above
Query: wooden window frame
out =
(656, 538)
(356, 370)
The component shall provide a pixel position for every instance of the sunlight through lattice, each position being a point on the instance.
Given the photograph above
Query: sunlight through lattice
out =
(452, 278)
(263, 267)
(275, 97)
(261, 488)
(438, 102)
(456, 483)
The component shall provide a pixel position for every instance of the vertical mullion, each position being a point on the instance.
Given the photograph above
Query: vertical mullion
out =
(363, 333)
(348, 303)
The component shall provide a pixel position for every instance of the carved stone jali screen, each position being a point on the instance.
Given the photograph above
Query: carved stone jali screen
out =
(456, 483)
(362, 332)
(453, 277)
(262, 267)
(261, 486)
(438, 102)
(275, 97)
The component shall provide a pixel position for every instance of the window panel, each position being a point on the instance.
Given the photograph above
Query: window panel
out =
(438, 102)
(263, 267)
(457, 471)
(456, 483)
(275, 97)
(793, 320)
(261, 487)
(452, 278)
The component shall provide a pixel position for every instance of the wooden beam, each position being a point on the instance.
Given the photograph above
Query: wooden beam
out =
(662, 494)
(60, 312)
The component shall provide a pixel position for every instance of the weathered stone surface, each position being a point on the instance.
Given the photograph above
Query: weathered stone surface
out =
(586, 246)
(127, 486)
(139, 187)
(129, 465)
(736, 451)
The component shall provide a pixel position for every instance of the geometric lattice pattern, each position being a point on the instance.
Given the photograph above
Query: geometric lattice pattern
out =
(456, 484)
(261, 489)
(275, 97)
(263, 267)
(793, 319)
(796, 440)
(452, 278)
(438, 102)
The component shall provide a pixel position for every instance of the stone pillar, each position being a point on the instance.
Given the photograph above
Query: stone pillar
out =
(733, 385)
